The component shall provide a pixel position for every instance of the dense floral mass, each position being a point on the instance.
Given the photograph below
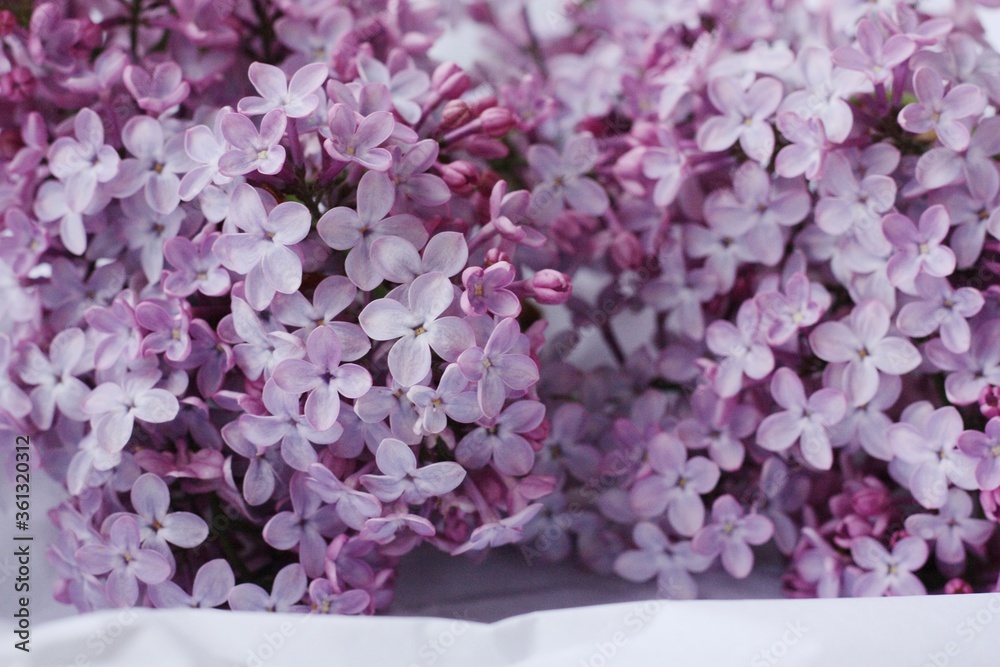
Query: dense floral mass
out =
(282, 285)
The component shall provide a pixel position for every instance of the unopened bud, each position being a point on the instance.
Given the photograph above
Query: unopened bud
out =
(497, 121)
(455, 114)
(550, 287)
(460, 176)
(450, 81)
(626, 251)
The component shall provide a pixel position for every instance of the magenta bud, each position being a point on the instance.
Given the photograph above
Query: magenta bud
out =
(626, 251)
(482, 104)
(494, 256)
(450, 80)
(460, 176)
(550, 287)
(957, 586)
(455, 114)
(7, 22)
(497, 121)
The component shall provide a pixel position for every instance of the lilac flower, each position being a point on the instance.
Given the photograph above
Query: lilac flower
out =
(819, 564)
(287, 425)
(12, 398)
(289, 587)
(486, 291)
(755, 201)
(418, 328)
(205, 147)
(323, 377)
(296, 98)
(919, 249)
(888, 573)
(127, 563)
(325, 598)
(680, 293)
(940, 112)
(405, 84)
(498, 533)
(384, 530)
(952, 528)
(826, 92)
(402, 479)
(155, 166)
(54, 378)
(875, 56)
(861, 343)
(344, 228)
(725, 250)
(397, 261)
(253, 150)
(349, 139)
(305, 526)
(970, 372)
(196, 267)
(675, 485)
(803, 420)
(353, 507)
(167, 323)
(730, 534)
(866, 422)
(741, 348)
(260, 251)
(563, 180)
(501, 442)
(929, 457)
(974, 210)
(392, 403)
(84, 162)
(450, 400)
(259, 480)
(985, 447)
(158, 91)
(409, 172)
(116, 330)
(147, 231)
(850, 206)
(113, 407)
(942, 166)
(671, 563)
(211, 588)
(720, 426)
(151, 500)
(746, 113)
(258, 349)
(799, 307)
(497, 368)
(941, 306)
(806, 154)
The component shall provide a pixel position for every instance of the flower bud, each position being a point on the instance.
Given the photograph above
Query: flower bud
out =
(460, 176)
(497, 121)
(7, 22)
(957, 586)
(450, 81)
(626, 251)
(989, 402)
(495, 255)
(455, 114)
(550, 287)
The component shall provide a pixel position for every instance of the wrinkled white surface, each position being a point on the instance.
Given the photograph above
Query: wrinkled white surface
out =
(911, 632)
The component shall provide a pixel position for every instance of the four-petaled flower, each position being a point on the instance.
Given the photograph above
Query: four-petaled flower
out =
(497, 368)
(402, 479)
(125, 560)
(731, 533)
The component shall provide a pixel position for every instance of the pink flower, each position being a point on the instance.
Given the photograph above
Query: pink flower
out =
(295, 98)
(252, 150)
(745, 119)
(889, 572)
(919, 249)
(940, 112)
(731, 533)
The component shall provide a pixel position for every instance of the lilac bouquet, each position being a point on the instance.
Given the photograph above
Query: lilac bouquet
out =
(284, 289)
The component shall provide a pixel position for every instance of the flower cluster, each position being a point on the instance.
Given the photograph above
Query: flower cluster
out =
(794, 286)
(268, 315)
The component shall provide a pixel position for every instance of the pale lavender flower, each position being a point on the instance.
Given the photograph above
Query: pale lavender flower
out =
(146, 231)
(861, 343)
(196, 267)
(731, 533)
(486, 291)
(353, 507)
(397, 261)
(418, 328)
(259, 480)
(296, 98)
(158, 91)
(919, 249)
(671, 563)
(54, 378)
(675, 485)
(827, 89)
(113, 407)
(866, 422)
(167, 324)
(497, 368)
(326, 598)
(386, 529)
(13, 400)
(873, 54)
(745, 117)
(118, 332)
(151, 501)
(942, 166)
(409, 169)
(211, 588)
(851, 206)
(951, 528)
(741, 348)
(940, 306)
(719, 425)
(204, 146)
(891, 573)
(801, 306)
(304, 526)
(155, 167)
(940, 112)
(497, 533)
(344, 228)
(971, 372)
(84, 162)
(126, 561)
(974, 210)
(322, 376)
(680, 293)
(260, 346)
(451, 399)
(286, 424)
(253, 150)
(501, 442)
(52, 203)
(405, 83)
(985, 447)
(803, 420)
(402, 479)
(806, 154)
(755, 201)
(392, 403)
(261, 250)
(929, 457)
(349, 139)
(562, 179)
(289, 586)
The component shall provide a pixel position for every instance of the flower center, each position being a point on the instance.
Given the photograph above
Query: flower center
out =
(262, 154)
(419, 330)
(477, 290)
